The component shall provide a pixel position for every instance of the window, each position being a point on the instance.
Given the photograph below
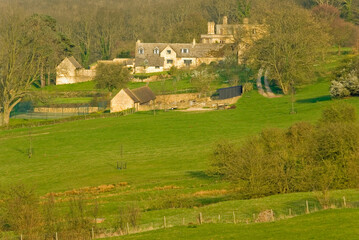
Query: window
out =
(169, 51)
(157, 67)
(141, 51)
(184, 50)
(187, 62)
(156, 51)
(169, 61)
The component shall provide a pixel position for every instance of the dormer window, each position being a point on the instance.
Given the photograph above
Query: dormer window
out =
(169, 51)
(156, 51)
(141, 51)
(184, 50)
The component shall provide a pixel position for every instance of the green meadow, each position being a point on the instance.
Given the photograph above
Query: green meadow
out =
(166, 156)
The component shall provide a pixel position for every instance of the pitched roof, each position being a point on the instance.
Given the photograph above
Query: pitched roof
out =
(74, 62)
(198, 50)
(141, 95)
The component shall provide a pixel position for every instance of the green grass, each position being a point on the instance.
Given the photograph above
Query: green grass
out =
(329, 224)
(162, 149)
(84, 86)
(169, 148)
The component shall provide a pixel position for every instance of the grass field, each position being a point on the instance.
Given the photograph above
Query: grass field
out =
(166, 155)
(330, 224)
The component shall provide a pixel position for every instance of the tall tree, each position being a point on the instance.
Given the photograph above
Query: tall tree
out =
(19, 62)
(294, 42)
(53, 45)
(111, 76)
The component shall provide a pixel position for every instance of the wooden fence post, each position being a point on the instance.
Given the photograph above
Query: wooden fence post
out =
(164, 221)
(234, 218)
(21, 236)
(344, 202)
(183, 221)
(92, 233)
(219, 217)
(307, 207)
(128, 229)
(56, 237)
(200, 218)
(290, 212)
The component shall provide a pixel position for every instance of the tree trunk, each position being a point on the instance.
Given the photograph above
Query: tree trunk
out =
(48, 77)
(42, 78)
(5, 117)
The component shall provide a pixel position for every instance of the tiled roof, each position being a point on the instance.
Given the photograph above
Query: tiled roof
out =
(141, 95)
(74, 62)
(198, 50)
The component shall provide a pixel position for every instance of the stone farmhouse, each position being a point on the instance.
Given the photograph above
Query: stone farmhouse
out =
(70, 71)
(158, 57)
(141, 99)
(231, 33)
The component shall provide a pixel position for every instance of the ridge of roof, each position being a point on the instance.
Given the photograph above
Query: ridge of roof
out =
(74, 62)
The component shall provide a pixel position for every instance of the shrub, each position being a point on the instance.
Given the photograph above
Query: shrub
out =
(302, 158)
(247, 87)
(346, 84)
(338, 90)
(339, 112)
(127, 215)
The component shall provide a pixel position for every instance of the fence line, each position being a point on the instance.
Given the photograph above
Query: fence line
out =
(232, 217)
(70, 119)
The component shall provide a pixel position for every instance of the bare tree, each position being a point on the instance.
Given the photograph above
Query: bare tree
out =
(19, 63)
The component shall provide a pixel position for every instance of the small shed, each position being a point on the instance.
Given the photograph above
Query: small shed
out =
(134, 98)
(230, 92)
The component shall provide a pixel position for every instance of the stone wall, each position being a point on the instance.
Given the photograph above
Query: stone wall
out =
(190, 100)
(66, 110)
(76, 76)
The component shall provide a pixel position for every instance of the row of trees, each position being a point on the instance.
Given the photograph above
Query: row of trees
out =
(305, 157)
(104, 29)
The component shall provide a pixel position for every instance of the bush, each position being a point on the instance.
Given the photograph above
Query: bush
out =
(301, 158)
(247, 87)
(346, 84)
(338, 113)
(127, 215)
(338, 90)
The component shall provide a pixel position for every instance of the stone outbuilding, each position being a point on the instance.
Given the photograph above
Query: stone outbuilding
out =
(70, 71)
(141, 99)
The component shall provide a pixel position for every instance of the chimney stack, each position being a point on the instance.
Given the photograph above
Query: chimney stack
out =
(225, 20)
(211, 27)
(138, 41)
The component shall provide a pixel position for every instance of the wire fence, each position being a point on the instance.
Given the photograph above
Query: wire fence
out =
(197, 218)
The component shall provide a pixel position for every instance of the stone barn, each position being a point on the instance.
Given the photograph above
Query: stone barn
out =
(141, 99)
(70, 71)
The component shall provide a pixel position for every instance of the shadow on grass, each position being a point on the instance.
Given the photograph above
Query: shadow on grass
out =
(199, 174)
(315, 100)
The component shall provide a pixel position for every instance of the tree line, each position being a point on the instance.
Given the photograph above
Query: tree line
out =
(107, 29)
